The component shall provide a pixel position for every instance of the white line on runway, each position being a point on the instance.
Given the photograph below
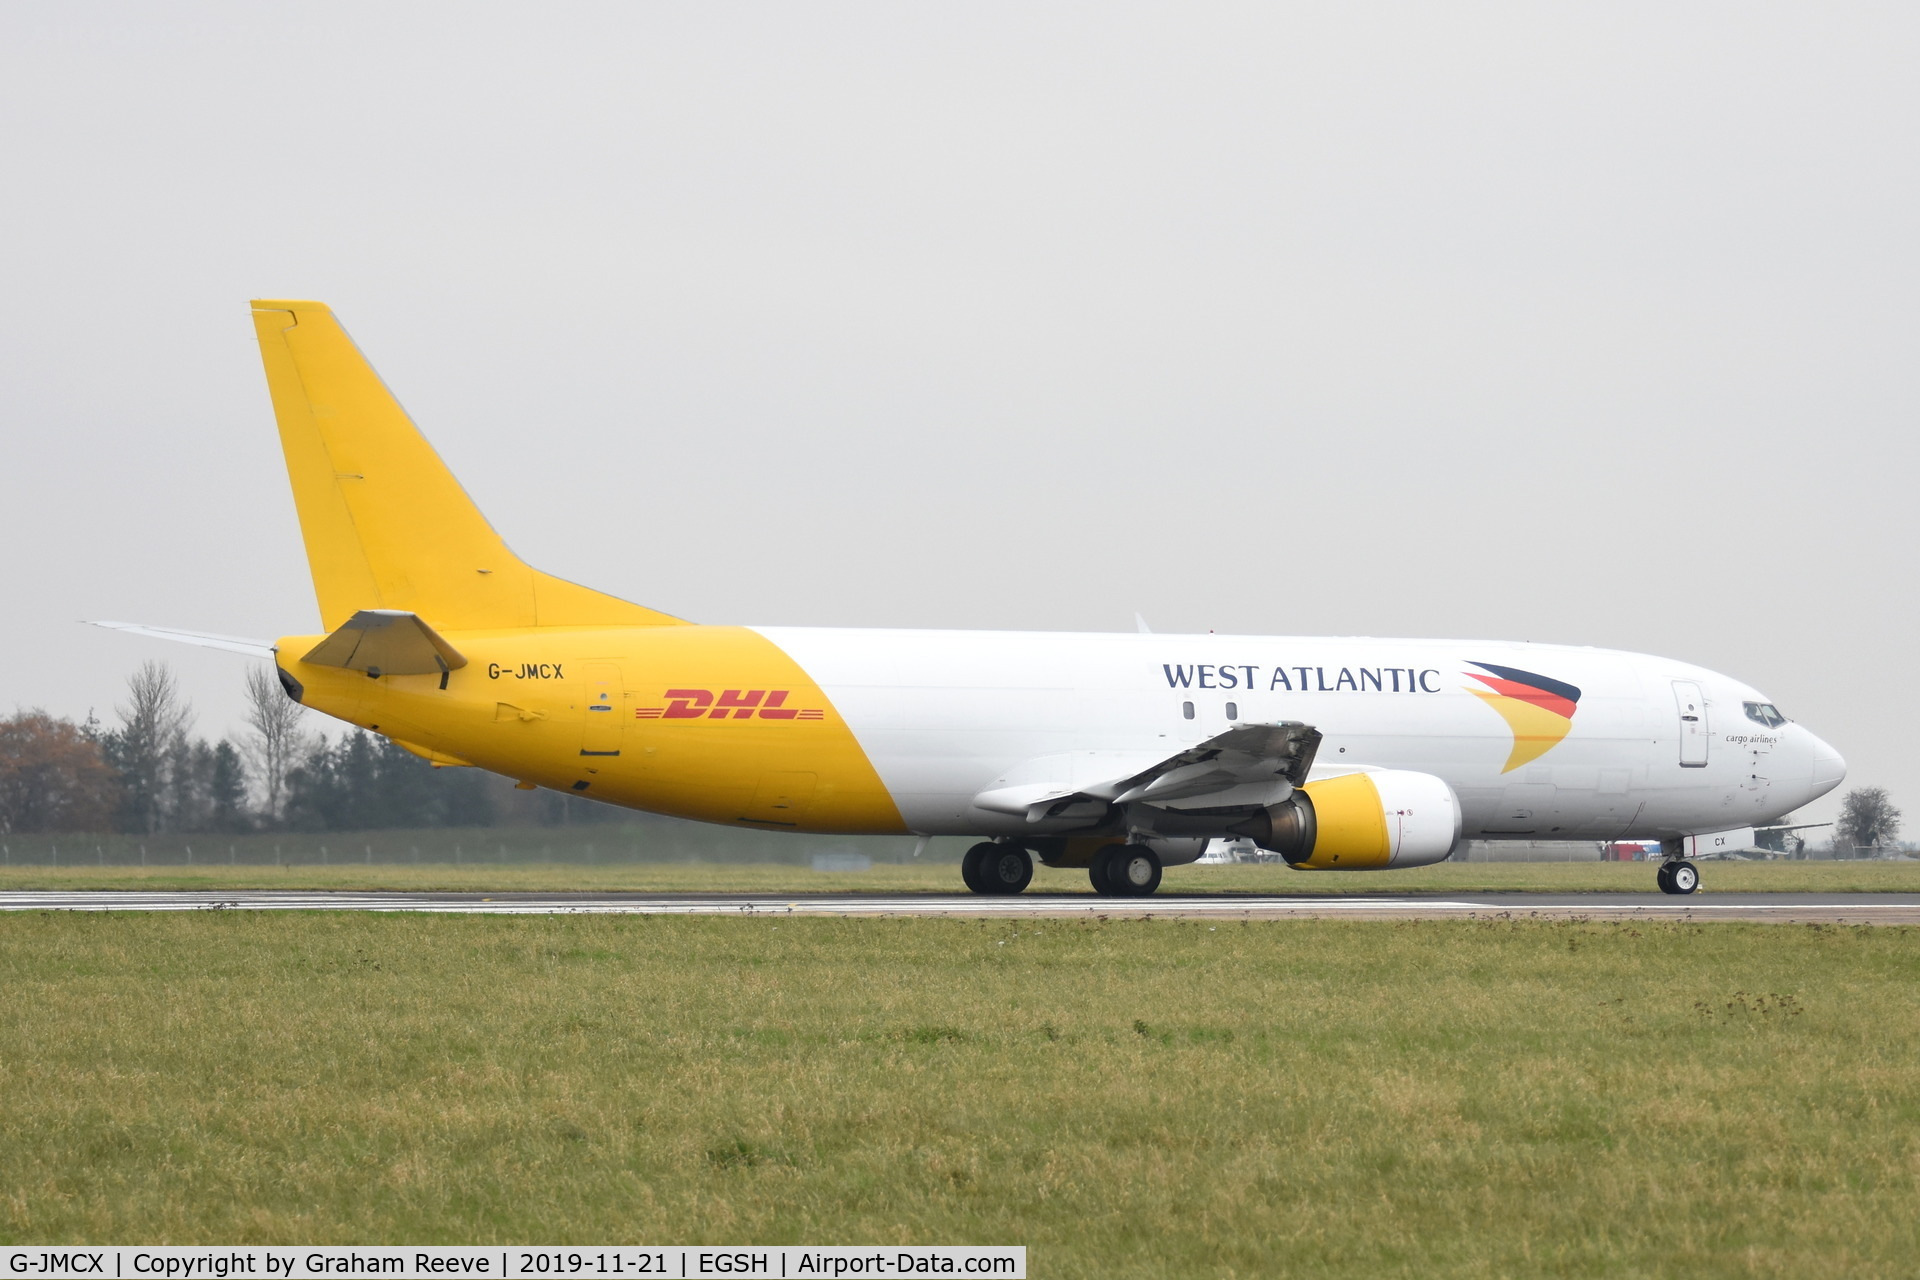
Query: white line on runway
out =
(959, 906)
(151, 901)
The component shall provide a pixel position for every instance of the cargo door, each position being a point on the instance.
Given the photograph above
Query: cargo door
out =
(606, 711)
(1692, 709)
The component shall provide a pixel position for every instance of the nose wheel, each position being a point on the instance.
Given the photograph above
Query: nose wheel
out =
(1678, 877)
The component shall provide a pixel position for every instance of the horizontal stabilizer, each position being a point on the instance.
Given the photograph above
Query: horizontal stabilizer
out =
(232, 644)
(387, 642)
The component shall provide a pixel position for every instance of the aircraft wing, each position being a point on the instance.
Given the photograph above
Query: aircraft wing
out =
(232, 644)
(1249, 765)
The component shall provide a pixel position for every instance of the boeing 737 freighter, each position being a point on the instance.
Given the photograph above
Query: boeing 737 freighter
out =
(1120, 753)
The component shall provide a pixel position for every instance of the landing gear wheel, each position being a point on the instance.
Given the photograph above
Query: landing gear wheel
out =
(1125, 871)
(1678, 877)
(1097, 871)
(1138, 873)
(1006, 869)
(973, 866)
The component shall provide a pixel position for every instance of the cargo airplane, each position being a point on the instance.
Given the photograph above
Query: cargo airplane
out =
(1121, 753)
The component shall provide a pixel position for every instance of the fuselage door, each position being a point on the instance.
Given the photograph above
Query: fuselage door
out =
(1692, 707)
(605, 718)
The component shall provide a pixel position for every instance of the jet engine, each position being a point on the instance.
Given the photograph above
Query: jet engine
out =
(1360, 821)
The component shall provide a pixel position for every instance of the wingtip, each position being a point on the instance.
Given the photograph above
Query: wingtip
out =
(232, 644)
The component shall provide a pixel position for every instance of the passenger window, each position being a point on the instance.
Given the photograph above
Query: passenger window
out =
(1233, 711)
(1186, 709)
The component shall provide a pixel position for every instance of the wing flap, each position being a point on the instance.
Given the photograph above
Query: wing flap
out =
(1248, 766)
(1246, 753)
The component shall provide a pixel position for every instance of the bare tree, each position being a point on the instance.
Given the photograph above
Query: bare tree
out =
(277, 741)
(1868, 820)
(153, 728)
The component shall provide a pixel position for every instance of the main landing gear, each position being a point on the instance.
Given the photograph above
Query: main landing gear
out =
(1678, 876)
(994, 868)
(1125, 871)
(1003, 868)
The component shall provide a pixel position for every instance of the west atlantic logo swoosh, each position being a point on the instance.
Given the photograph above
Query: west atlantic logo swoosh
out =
(1539, 709)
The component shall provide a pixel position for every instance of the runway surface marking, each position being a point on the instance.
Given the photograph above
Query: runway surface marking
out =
(1842, 908)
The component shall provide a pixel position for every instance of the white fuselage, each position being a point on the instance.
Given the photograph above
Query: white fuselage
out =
(946, 715)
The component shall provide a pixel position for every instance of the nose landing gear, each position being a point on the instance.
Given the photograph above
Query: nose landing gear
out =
(1679, 876)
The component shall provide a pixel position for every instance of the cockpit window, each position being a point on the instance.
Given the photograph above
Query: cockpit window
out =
(1764, 713)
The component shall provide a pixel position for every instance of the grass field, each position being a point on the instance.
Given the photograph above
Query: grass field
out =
(944, 877)
(1128, 1098)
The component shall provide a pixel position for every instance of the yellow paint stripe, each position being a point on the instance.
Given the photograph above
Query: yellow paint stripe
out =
(1536, 730)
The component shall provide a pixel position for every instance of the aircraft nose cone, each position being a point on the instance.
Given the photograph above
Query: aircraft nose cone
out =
(1828, 768)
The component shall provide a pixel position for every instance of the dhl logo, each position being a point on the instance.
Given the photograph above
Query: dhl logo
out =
(737, 704)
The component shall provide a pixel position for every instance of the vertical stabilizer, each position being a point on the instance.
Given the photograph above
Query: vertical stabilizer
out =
(386, 524)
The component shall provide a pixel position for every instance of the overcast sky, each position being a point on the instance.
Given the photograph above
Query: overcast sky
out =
(1591, 324)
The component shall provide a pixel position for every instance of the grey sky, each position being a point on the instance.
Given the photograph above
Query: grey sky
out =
(1591, 324)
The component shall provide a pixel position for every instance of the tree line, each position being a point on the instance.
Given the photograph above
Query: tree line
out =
(148, 774)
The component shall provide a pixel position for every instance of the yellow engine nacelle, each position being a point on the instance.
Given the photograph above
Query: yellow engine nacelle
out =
(1361, 822)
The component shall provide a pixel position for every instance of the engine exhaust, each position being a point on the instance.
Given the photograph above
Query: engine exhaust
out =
(1287, 829)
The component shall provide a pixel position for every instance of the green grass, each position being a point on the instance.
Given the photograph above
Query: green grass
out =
(1322, 1098)
(666, 855)
(944, 876)
(641, 838)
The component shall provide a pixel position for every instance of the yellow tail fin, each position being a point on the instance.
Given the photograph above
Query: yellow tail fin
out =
(386, 524)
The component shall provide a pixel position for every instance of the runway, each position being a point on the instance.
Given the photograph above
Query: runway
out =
(1777, 908)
